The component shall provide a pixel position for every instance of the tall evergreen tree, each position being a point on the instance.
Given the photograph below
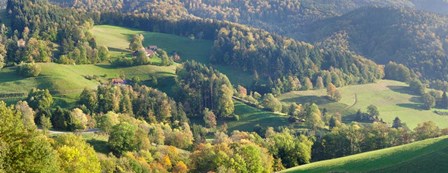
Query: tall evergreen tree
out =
(444, 100)
(397, 123)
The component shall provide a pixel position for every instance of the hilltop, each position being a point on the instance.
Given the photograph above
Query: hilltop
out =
(420, 156)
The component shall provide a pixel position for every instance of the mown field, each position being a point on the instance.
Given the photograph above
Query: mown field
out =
(424, 156)
(391, 97)
(67, 81)
(250, 117)
(117, 40)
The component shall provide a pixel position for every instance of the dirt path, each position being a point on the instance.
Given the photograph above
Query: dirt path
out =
(82, 132)
(354, 103)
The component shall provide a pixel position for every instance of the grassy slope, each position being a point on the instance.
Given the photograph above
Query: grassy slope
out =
(425, 156)
(117, 40)
(250, 117)
(391, 97)
(67, 81)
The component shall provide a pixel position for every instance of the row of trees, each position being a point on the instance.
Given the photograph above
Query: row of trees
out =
(293, 83)
(430, 98)
(140, 101)
(354, 138)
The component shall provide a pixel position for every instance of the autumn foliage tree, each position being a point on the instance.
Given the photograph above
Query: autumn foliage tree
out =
(122, 138)
(272, 103)
(136, 42)
(75, 155)
(333, 93)
(209, 118)
(23, 150)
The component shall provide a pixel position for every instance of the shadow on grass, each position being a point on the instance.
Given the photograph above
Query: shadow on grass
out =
(349, 118)
(410, 105)
(415, 100)
(164, 73)
(268, 121)
(118, 50)
(165, 84)
(10, 76)
(402, 89)
(99, 146)
(320, 100)
(106, 66)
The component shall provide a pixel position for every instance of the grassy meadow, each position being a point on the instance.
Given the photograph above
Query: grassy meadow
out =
(392, 98)
(66, 82)
(117, 40)
(430, 155)
(251, 117)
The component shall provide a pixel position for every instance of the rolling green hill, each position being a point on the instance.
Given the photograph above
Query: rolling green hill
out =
(251, 117)
(117, 40)
(424, 156)
(67, 81)
(391, 97)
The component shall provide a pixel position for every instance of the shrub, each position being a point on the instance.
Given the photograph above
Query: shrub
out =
(29, 69)
(123, 62)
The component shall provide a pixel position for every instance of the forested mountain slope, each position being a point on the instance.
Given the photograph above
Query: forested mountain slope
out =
(279, 16)
(414, 38)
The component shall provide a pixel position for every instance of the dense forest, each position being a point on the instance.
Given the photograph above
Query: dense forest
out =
(40, 32)
(269, 15)
(205, 88)
(283, 17)
(413, 38)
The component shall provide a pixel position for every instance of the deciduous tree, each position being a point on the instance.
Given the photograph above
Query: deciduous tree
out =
(75, 155)
(429, 101)
(209, 118)
(122, 138)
